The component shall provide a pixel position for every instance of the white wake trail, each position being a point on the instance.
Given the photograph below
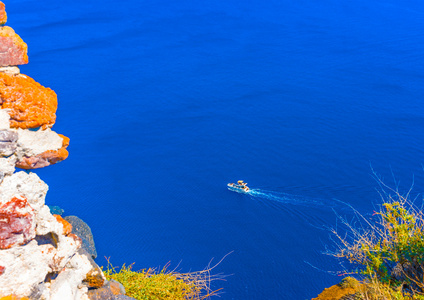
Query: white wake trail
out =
(284, 198)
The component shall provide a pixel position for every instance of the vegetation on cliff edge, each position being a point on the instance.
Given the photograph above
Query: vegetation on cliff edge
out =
(386, 249)
(151, 284)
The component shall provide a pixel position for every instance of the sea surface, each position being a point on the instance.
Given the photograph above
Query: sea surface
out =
(165, 102)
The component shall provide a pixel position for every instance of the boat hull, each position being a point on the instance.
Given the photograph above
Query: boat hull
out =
(237, 189)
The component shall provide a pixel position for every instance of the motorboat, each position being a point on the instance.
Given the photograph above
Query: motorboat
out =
(240, 187)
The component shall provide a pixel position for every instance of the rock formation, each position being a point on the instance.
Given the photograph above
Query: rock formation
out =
(30, 105)
(42, 256)
(13, 50)
(3, 16)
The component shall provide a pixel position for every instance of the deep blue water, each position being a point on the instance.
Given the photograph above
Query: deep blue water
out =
(167, 101)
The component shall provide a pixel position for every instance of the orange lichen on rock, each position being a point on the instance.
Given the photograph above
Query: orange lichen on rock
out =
(46, 158)
(3, 15)
(13, 50)
(334, 293)
(30, 104)
(13, 297)
(115, 288)
(66, 140)
(348, 286)
(94, 279)
(67, 227)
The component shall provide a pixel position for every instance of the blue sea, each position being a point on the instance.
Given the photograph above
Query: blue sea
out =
(165, 102)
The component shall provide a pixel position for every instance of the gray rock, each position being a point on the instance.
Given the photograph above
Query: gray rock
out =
(123, 297)
(121, 287)
(81, 229)
(8, 136)
(103, 293)
(39, 291)
(8, 142)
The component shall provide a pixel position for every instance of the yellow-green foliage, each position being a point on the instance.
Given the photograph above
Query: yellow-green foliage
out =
(375, 290)
(164, 285)
(349, 282)
(390, 251)
(402, 242)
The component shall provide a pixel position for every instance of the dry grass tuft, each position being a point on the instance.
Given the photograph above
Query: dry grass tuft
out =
(150, 284)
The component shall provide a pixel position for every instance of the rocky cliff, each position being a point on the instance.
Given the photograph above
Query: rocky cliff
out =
(42, 255)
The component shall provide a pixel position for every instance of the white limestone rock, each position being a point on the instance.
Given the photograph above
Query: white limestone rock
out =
(32, 143)
(58, 257)
(25, 143)
(68, 284)
(25, 267)
(11, 70)
(4, 119)
(47, 223)
(7, 165)
(28, 185)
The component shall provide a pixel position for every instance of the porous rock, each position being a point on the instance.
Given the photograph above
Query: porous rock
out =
(67, 285)
(3, 15)
(7, 166)
(8, 142)
(67, 227)
(32, 148)
(4, 119)
(59, 255)
(47, 223)
(29, 265)
(55, 151)
(25, 267)
(17, 225)
(13, 50)
(8, 146)
(32, 143)
(29, 104)
(81, 229)
(11, 70)
(29, 186)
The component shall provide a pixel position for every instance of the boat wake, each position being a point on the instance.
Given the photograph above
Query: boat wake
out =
(286, 198)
